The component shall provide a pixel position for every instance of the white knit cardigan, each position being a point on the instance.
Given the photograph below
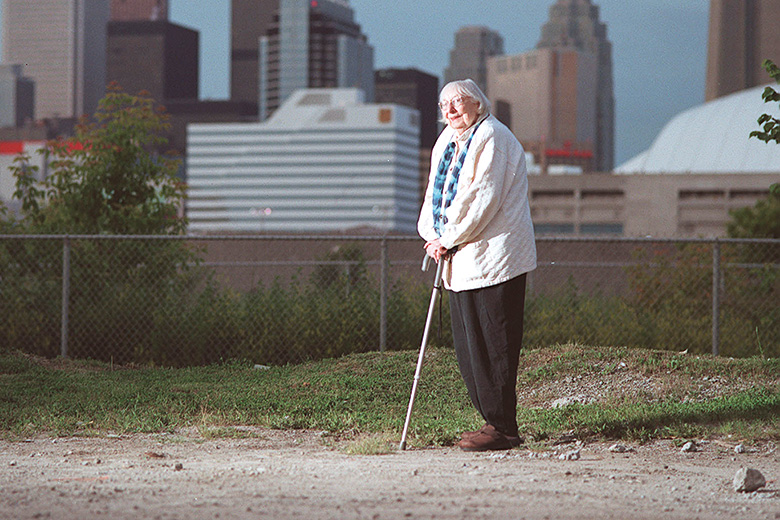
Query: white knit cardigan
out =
(489, 218)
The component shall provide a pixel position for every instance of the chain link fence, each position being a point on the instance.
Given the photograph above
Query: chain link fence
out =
(178, 301)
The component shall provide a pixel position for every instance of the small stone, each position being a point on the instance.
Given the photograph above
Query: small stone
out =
(689, 447)
(748, 480)
(178, 467)
(563, 402)
(12, 463)
(618, 448)
(740, 448)
(570, 455)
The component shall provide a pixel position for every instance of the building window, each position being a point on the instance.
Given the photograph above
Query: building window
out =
(554, 229)
(602, 194)
(601, 229)
(702, 194)
(552, 194)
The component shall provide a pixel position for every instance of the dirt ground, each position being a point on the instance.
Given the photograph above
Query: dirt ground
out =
(305, 475)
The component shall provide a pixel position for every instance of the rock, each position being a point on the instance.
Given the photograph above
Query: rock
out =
(178, 467)
(568, 401)
(740, 448)
(748, 480)
(570, 455)
(618, 448)
(689, 447)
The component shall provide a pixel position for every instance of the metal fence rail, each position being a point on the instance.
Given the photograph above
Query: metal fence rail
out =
(286, 299)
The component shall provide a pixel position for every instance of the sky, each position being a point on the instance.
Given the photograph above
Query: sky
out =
(659, 48)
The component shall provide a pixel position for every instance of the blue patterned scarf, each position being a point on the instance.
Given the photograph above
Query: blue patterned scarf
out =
(439, 219)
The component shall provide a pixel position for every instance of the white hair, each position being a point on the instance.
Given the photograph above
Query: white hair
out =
(466, 88)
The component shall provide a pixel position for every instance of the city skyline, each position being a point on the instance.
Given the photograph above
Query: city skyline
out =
(659, 64)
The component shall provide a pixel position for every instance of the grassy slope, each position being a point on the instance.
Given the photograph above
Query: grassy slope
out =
(636, 394)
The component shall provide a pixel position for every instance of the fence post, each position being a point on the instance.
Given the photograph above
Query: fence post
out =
(383, 268)
(65, 296)
(716, 298)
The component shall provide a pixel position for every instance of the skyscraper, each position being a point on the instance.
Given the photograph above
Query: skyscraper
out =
(250, 19)
(547, 97)
(312, 44)
(412, 88)
(62, 44)
(416, 89)
(742, 34)
(575, 23)
(127, 10)
(17, 96)
(468, 59)
(157, 56)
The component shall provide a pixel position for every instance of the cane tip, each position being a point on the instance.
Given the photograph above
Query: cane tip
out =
(402, 447)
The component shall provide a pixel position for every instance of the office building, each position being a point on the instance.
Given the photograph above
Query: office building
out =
(312, 44)
(250, 19)
(326, 161)
(700, 167)
(132, 10)
(664, 205)
(575, 23)
(17, 97)
(548, 98)
(742, 34)
(412, 88)
(184, 112)
(468, 58)
(157, 56)
(419, 90)
(68, 65)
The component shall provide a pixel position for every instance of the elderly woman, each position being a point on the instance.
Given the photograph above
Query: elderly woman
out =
(476, 218)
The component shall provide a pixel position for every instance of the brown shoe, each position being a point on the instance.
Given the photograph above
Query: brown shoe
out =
(489, 439)
(469, 435)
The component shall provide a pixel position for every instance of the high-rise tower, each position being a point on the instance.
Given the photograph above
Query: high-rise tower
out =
(156, 55)
(250, 19)
(131, 10)
(575, 23)
(68, 65)
(742, 34)
(468, 59)
(312, 44)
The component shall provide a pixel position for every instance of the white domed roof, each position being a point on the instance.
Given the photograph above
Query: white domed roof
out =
(712, 138)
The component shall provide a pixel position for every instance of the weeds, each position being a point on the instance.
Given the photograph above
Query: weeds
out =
(364, 396)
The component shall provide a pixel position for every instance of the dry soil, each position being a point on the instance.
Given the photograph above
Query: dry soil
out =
(307, 475)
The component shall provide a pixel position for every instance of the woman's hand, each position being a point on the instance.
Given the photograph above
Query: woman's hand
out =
(435, 250)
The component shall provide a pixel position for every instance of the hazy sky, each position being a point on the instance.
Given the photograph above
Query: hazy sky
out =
(659, 47)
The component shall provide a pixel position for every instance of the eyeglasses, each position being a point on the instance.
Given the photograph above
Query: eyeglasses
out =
(456, 102)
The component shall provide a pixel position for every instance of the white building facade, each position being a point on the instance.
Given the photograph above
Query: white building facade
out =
(324, 162)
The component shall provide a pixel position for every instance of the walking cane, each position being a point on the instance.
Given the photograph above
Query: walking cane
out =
(436, 290)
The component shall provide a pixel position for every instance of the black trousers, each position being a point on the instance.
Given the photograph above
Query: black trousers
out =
(487, 329)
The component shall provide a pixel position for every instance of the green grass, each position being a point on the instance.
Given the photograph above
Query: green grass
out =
(364, 397)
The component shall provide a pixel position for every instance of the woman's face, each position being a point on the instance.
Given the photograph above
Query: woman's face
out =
(460, 112)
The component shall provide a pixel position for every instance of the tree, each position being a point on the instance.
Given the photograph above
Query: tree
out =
(763, 219)
(107, 178)
(771, 125)
(760, 221)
